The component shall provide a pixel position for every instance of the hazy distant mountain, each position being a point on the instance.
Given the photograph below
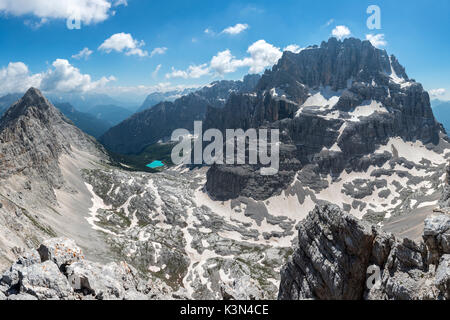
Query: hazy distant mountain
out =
(441, 110)
(110, 114)
(86, 101)
(84, 121)
(157, 123)
(7, 101)
(157, 97)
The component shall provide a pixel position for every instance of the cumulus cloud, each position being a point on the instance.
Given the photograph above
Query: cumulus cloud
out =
(61, 77)
(437, 92)
(123, 42)
(238, 28)
(377, 40)
(83, 54)
(17, 78)
(156, 51)
(87, 11)
(293, 48)
(261, 56)
(66, 78)
(193, 72)
(341, 32)
(225, 62)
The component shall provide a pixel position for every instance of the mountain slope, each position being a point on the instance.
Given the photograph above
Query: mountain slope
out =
(343, 107)
(158, 123)
(85, 121)
(110, 114)
(41, 157)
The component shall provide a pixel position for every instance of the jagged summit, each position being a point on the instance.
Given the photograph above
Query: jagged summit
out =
(34, 134)
(32, 98)
(335, 105)
(335, 64)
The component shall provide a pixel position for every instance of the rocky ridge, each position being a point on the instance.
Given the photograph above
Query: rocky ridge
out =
(335, 106)
(336, 256)
(58, 270)
(157, 123)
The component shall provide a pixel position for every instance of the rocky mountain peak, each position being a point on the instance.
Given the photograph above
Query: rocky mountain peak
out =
(335, 64)
(335, 105)
(33, 136)
(33, 98)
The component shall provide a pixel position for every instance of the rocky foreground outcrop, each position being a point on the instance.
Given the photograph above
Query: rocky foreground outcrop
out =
(57, 270)
(340, 257)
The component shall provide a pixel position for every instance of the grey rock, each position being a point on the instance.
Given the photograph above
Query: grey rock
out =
(437, 237)
(360, 73)
(443, 276)
(45, 282)
(61, 251)
(105, 282)
(21, 297)
(335, 252)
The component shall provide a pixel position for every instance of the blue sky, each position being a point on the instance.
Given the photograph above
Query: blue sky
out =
(38, 48)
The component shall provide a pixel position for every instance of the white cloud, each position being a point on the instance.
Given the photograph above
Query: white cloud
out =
(437, 92)
(124, 42)
(156, 51)
(88, 11)
(262, 55)
(83, 54)
(66, 78)
(341, 32)
(209, 31)
(293, 48)
(238, 28)
(17, 78)
(155, 73)
(35, 24)
(193, 72)
(61, 77)
(225, 62)
(377, 40)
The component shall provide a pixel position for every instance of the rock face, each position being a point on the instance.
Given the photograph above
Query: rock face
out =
(338, 258)
(33, 135)
(158, 123)
(88, 123)
(58, 270)
(36, 144)
(334, 105)
(445, 199)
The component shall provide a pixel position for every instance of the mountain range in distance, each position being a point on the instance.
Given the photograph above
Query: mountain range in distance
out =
(95, 114)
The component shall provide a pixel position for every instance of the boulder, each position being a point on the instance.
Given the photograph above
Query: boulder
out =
(62, 251)
(340, 257)
(105, 282)
(45, 282)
